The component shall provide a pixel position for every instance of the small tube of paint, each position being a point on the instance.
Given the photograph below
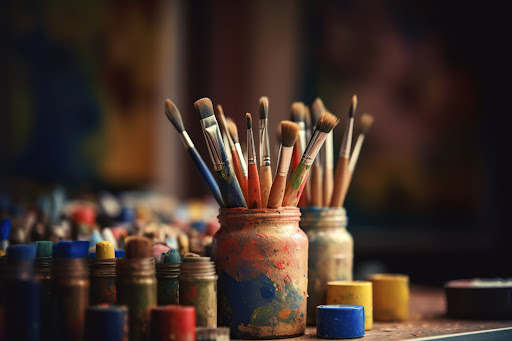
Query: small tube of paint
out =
(103, 275)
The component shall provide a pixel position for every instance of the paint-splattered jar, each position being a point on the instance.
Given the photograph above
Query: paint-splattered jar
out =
(103, 281)
(261, 258)
(168, 283)
(331, 252)
(198, 288)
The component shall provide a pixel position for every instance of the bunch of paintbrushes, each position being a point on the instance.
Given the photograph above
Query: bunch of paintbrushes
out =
(249, 184)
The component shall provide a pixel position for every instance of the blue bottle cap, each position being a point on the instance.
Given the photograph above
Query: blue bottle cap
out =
(172, 256)
(44, 248)
(106, 322)
(120, 253)
(340, 321)
(21, 251)
(5, 228)
(74, 249)
(127, 215)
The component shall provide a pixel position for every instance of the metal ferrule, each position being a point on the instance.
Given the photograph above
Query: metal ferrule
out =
(251, 152)
(347, 139)
(329, 151)
(214, 142)
(302, 136)
(186, 140)
(285, 155)
(313, 147)
(243, 164)
(264, 143)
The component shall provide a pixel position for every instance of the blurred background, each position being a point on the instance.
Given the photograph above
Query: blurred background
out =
(84, 82)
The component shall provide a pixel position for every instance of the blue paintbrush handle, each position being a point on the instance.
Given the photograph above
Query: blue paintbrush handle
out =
(207, 176)
(230, 187)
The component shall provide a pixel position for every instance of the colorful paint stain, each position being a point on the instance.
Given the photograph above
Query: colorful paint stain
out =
(168, 291)
(261, 258)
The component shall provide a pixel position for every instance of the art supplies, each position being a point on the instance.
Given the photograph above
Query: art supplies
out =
(136, 285)
(106, 323)
(252, 164)
(70, 290)
(353, 292)
(233, 132)
(167, 272)
(390, 297)
(172, 322)
(198, 288)
(172, 113)
(340, 321)
(228, 184)
(103, 275)
(265, 172)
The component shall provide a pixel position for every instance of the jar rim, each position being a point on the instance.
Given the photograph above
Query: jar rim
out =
(281, 213)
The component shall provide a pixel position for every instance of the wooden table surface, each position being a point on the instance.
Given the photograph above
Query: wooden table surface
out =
(427, 318)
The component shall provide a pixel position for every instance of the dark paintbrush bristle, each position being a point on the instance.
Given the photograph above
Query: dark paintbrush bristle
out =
(233, 130)
(353, 107)
(317, 109)
(327, 122)
(297, 112)
(173, 114)
(263, 107)
(138, 247)
(204, 107)
(249, 120)
(289, 133)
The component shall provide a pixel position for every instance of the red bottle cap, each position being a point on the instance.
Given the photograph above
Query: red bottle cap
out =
(173, 322)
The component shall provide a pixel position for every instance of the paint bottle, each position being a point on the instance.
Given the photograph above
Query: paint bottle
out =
(103, 275)
(167, 272)
(106, 323)
(331, 251)
(353, 292)
(390, 297)
(262, 262)
(70, 290)
(22, 294)
(43, 271)
(136, 285)
(198, 288)
(173, 323)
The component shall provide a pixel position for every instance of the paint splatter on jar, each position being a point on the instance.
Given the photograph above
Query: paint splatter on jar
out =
(261, 257)
(331, 252)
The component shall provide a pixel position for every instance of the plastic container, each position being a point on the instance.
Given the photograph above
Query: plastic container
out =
(261, 257)
(331, 252)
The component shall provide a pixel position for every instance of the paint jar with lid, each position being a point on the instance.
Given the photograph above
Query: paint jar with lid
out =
(262, 258)
(198, 288)
(103, 281)
(331, 252)
(167, 272)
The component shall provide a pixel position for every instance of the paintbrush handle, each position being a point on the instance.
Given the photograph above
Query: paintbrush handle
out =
(295, 185)
(328, 186)
(265, 184)
(229, 187)
(206, 175)
(295, 156)
(346, 183)
(316, 185)
(254, 187)
(338, 197)
(239, 175)
(276, 196)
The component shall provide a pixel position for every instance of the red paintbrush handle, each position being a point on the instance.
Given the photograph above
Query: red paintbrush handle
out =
(254, 187)
(239, 175)
(295, 157)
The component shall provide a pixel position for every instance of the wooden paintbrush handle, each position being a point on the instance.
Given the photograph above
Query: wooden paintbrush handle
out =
(295, 185)
(328, 186)
(341, 172)
(265, 184)
(254, 187)
(316, 185)
(275, 198)
(346, 184)
(239, 175)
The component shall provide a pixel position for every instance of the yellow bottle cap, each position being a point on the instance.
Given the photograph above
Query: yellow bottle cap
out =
(353, 293)
(105, 249)
(390, 297)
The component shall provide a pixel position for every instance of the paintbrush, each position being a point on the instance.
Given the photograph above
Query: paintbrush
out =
(265, 168)
(233, 131)
(295, 185)
(316, 169)
(289, 132)
(297, 114)
(173, 114)
(366, 123)
(234, 155)
(228, 184)
(306, 197)
(252, 165)
(326, 158)
(338, 197)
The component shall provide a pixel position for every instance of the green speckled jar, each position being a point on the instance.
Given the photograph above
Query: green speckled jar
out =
(168, 283)
(331, 252)
(137, 289)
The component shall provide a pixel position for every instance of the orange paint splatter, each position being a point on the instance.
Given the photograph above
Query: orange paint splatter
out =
(279, 265)
(283, 314)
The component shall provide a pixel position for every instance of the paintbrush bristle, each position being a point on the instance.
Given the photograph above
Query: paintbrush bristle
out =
(298, 112)
(366, 122)
(263, 107)
(289, 133)
(249, 120)
(173, 115)
(138, 247)
(317, 109)
(221, 119)
(353, 107)
(327, 122)
(204, 107)
(233, 130)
